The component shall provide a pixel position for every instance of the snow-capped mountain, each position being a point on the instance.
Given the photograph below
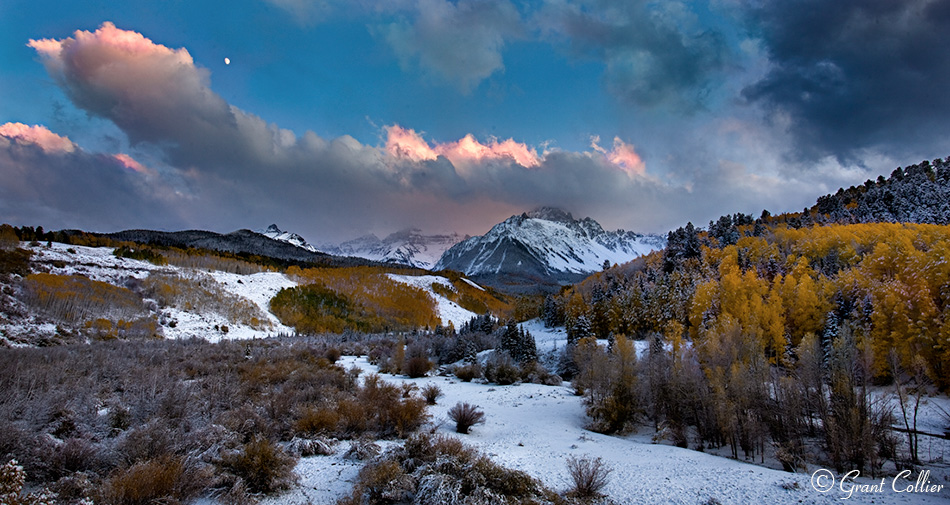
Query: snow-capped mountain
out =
(406, 247)
(546, 243)
(276, 233)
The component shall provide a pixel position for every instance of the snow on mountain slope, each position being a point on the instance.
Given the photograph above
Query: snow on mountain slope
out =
(406, 247)
(276, 233)
(546, 242)
(100, 264)
(449, 311)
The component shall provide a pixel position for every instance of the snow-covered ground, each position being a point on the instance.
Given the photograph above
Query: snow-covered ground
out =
(100, 264)
(448, 310)
(535, 428)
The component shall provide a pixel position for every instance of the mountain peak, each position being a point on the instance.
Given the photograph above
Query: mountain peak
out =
(551, 214)
(546, 245)
(276, 233)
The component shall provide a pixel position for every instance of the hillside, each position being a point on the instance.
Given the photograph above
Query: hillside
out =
(63, 293)
(915, 194)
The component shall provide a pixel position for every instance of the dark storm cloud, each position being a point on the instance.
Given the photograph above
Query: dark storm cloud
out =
(79, 189)
(655, 52)
(853, 74)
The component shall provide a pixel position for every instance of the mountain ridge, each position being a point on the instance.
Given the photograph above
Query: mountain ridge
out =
(546, 245)
(407, 247)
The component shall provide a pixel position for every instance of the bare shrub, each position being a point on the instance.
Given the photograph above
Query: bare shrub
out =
(385, 482)
(590, 476)
(73, 455)
(501, 369)
(318, 420)
(468, 372)
(362, 449)
(440, 470)
(466, 416)
(431, 393)
(418, 367)
(146, 442)
(166, 479)
(262, 465)
(332, 354)
(306, 447)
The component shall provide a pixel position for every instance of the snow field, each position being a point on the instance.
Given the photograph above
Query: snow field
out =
(535, 429)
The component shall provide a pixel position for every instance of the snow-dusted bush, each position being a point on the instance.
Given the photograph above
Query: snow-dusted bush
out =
(465, 416)
(466, 373)
(12, 478)
(440, 470)
(305, 447)
(162, 480)
(263, 466)
(590, 476)
(362, 449)
(431, 393)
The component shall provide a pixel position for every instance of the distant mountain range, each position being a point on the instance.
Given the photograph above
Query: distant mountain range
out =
(407, 247)
(546, 246)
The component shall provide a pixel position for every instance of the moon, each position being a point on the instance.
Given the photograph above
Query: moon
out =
(227, 61)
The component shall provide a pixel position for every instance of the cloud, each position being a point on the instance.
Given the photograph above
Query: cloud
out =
(459, 43)
(48, 179)
(655, 53)
(850, 75)
(38, 135)
(407, 144)
(623, 155)
(210, 165)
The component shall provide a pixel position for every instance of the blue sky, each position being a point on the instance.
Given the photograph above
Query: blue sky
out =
(335, 119)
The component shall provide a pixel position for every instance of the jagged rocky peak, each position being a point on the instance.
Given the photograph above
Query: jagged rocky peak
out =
(551, 214)
(274, 232)
(546, 244)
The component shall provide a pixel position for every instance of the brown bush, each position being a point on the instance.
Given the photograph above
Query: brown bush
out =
(332, 354)
(385, 482)
(468, 372)
(418, 367)
(166, 479)
(262, 465)
(431, 393)
(466, 416)
(407, 415)
(318, 420)
(73, 455)
(590, 476)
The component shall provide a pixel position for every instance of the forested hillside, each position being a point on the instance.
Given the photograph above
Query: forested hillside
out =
(915, 194)
(781, 280)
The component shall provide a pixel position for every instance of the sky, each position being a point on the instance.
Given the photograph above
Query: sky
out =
(335, 118)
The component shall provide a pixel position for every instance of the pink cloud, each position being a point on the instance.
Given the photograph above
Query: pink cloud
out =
(406, 143)
(622, 155)
(125, 42)
(130, 163)
(39, 135)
